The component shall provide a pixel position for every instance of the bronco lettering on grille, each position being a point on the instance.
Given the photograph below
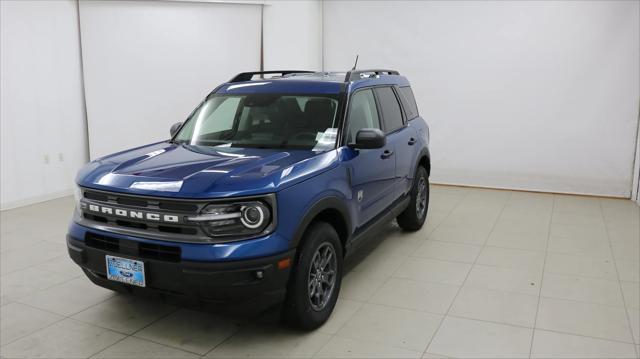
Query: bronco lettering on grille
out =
(121, 212)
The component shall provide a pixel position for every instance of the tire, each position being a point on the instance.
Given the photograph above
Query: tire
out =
(302, 309)
(413, 217)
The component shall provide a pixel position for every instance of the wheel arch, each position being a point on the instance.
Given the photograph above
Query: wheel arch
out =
(332, 210)
(424, 160)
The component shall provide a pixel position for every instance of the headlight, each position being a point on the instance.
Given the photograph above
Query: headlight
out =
(254, 215)
(237, 219)
(77, 194)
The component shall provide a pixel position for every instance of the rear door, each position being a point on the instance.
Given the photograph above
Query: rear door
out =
(399, 135)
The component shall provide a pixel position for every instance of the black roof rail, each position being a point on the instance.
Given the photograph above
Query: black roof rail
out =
(357, 74)
(247, 76)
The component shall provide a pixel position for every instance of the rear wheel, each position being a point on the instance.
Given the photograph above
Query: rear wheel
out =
(315, 282)
(413, 217)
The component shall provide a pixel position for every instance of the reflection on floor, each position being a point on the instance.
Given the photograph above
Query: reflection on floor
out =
(492, 274)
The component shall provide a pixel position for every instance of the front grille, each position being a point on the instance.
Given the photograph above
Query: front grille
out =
(137, 249)
(183, 231)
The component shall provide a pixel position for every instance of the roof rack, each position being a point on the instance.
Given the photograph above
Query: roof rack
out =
(358, 74)
(247, 76)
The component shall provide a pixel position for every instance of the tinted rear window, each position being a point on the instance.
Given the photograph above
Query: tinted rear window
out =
(391, 113)
(409, 102)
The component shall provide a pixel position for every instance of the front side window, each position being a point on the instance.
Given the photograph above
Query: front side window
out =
(264, 121)
(362, 114)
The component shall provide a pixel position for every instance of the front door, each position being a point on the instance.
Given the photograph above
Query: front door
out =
(372, 171)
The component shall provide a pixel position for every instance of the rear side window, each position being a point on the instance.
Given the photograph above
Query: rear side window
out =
(391, 112)
(409, 102)
(362, 114)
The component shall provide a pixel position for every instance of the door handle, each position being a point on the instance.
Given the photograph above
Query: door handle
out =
(386, 154)
(412, 141)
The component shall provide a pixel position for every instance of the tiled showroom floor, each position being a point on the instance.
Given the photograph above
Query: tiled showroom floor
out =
(492, 274)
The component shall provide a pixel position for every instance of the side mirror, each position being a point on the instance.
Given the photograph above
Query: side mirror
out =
(369, 138)
(174, 128)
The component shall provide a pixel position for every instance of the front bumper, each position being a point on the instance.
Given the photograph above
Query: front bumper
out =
(168, 274)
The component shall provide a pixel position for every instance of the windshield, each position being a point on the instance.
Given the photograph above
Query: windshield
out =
(264, 121)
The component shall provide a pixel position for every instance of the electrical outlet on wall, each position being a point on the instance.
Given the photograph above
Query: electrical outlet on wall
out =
(46, 159)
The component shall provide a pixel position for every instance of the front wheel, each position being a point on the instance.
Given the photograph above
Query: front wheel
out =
(315, 282)
(413, 217)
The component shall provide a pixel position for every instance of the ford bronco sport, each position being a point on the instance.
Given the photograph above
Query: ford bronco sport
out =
(263, 191)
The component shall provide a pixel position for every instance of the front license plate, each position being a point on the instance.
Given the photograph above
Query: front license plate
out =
(125, 270)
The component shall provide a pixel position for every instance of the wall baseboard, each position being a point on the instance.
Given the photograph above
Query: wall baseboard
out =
(35, 199)
(515, 189)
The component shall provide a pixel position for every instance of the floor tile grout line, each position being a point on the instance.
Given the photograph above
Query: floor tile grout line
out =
(109, 346)
(462, 286)
(13, 271)
(238, 330)
(73, 313)
(428, 281)
(226, 339)
(35, 331)
(315, 355)
(444, 316)
(610, 241)
(368, 301)
(116, 330)
(42, 289)
(405, 309)
(155, 342)
(167, 345)
(544, 267)
(127, 335)
(584, 301)
(71, 317)
(143, 339)
(521, 293)
(44, 310)
(544, 329)
(64, 255)
(459, 201)
(437, 259)
(386, 280)
(64, 317)
(585, 336)
(615, 265)
(489, 321)
(331, 336)
(554, 273)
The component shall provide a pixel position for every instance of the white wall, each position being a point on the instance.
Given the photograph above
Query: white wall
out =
(42, 114)
(293, 35)
(530, 95)
(148, 64)
(539, 95)
(635, 192)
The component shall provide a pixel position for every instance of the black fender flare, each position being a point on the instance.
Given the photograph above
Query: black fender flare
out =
(424, 153)
(329, 202)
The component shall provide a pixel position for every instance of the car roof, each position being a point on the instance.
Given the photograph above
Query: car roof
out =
(300, 82)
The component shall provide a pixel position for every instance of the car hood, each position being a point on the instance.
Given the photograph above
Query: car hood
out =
(184, 171)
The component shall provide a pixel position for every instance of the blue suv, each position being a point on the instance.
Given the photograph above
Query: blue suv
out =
(261, 193)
